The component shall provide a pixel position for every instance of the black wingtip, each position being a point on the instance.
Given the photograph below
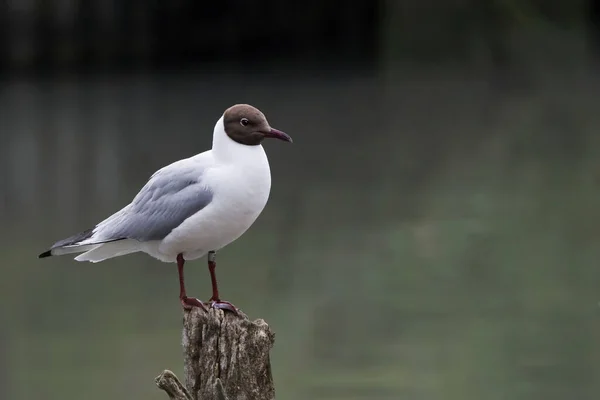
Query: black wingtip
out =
(45, 254)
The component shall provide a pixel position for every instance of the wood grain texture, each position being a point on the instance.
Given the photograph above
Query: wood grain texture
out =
(226, 357)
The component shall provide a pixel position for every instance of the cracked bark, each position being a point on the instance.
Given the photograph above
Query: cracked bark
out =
(226, 357)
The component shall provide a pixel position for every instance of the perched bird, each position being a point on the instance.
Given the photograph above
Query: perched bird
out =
(193, 206)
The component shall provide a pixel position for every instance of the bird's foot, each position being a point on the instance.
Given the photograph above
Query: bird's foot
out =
(223, 305)
(190, 302)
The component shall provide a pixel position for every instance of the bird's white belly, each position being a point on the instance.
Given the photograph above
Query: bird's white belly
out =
(235, 206)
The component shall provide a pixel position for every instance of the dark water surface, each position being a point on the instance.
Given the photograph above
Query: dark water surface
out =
(426, 238)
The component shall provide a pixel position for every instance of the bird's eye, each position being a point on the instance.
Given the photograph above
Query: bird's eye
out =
(244, 121)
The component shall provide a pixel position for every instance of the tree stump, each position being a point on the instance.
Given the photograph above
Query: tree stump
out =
(226, 357)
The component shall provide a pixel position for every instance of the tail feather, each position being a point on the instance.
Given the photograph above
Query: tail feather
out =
(74, 244)
(59, 251)
(109, 250)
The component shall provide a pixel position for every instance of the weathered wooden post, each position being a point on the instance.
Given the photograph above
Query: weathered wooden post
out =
(226, 356)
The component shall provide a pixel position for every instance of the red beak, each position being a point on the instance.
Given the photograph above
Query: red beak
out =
(277, 134)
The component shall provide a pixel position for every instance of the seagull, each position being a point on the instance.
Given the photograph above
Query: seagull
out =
(192, 207)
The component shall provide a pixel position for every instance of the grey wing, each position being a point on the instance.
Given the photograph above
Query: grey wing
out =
(170, 197)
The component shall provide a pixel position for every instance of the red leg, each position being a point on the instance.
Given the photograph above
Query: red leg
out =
(215, 301)
(187, 302)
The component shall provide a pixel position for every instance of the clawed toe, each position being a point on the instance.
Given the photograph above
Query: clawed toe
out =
(223, 305)
(190, 302)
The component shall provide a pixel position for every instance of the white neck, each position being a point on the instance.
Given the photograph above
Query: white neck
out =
(228, 150)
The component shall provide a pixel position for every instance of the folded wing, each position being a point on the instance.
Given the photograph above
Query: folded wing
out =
(170, 196)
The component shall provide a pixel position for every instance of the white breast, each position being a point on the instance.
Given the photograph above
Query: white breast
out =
(241, 190)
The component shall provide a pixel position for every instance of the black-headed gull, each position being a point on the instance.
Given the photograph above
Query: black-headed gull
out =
(191, 207)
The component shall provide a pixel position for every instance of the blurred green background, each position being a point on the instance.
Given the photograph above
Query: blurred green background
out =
(431, 234)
